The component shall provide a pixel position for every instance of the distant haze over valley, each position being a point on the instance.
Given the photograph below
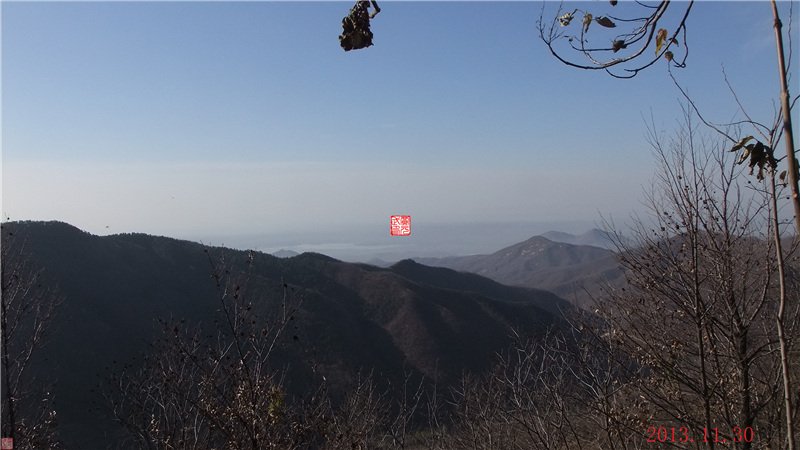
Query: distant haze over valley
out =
(374, 244)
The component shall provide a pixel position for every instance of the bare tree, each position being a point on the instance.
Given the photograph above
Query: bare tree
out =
(759, 154)
(643, 30)
(628, 52)
(28, 303)
(357, 423)
(564, 390)
(702, 291)
(214, 390)
(651, 30)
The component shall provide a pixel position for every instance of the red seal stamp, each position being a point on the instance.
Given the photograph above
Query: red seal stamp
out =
(401, 225)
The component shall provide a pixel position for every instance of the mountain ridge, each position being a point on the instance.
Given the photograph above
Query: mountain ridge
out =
(594, 237)
(434, 322)
(570, 271)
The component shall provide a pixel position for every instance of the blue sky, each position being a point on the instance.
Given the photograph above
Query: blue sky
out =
(220, 119)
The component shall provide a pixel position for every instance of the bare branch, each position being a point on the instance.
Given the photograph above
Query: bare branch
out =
(641, 36)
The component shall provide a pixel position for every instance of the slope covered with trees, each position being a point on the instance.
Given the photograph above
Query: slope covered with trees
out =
(352, 317)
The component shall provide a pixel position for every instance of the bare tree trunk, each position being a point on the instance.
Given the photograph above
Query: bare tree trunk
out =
(791, 159)
(782, 306)
(793, 182)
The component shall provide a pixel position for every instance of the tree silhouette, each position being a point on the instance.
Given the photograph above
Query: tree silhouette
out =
(622, 54)
(27, 306)
(627, 54)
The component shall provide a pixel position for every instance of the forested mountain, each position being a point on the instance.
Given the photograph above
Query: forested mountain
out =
(571, 271)
(409, 318)
(168, 334)
(593, 237)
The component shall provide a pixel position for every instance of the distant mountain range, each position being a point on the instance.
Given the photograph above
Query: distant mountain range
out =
(572, 271)
(593, 237)
(431, 321)
(283, 253)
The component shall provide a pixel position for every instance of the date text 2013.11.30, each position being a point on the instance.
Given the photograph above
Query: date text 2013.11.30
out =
(683, 434)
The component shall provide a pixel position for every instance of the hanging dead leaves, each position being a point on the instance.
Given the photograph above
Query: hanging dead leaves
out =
(355, 26)
(759, 155)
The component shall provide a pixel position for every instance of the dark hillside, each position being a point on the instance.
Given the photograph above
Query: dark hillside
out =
(464, 281)
(429, 321)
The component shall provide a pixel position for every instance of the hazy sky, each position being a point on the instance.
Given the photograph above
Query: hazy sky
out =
(214, 119)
